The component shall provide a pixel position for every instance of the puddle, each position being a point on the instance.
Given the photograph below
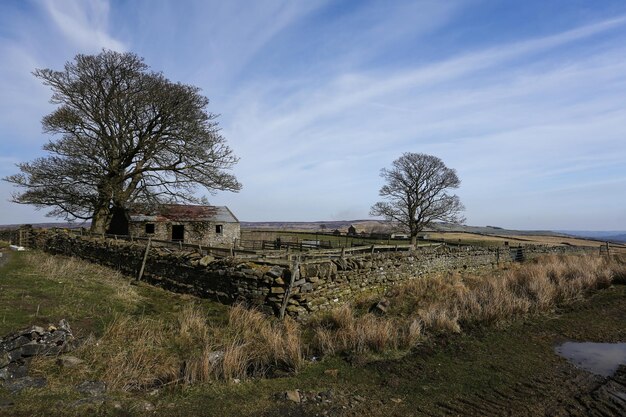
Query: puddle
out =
(598, 358)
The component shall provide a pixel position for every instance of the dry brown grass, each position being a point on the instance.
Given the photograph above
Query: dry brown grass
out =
(255, 344)
(132, 354)
(138, 353)
(446, 303)
(340, 330)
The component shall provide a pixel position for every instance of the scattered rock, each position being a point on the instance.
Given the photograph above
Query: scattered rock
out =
(206, 260)
(380, 307)
(37, 329)
(93, 388)
(15, 343)
(17, 348)
(293, 396)
(327, 395)
(140, 406)
(14, 370)
(5, 359)
(117, 405)
(69, 361)
(20, 384)
(396, 400)
(31, 349)
(298, 396)
(215, 357)
(145, 406)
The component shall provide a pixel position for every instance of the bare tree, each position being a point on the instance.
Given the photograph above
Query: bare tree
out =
(417, 193)
(128, 136)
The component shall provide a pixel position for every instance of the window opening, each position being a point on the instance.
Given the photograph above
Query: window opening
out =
(178, 233)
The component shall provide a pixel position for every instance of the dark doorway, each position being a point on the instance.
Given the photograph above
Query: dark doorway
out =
(178, 232)
(119, 221)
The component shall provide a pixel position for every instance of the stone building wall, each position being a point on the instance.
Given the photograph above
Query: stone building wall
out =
(312, 285)
(196, 232)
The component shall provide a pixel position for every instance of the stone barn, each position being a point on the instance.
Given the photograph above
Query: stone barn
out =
(204, 225)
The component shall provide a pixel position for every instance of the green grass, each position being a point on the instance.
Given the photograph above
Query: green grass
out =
(32, 291)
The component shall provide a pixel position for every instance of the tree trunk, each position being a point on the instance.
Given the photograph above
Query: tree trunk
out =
(118, 225)
(101, 220)
(414, 240)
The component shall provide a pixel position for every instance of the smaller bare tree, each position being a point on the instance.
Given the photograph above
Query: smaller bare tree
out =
(417, 193)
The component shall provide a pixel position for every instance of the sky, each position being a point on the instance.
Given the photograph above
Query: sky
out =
(526, 100)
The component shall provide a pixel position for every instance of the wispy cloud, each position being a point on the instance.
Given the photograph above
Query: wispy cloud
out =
(316, 97)
(488, 111)
(85, 23)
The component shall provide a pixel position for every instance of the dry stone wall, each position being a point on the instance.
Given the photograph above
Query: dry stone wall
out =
(299, 288)
(324, 284)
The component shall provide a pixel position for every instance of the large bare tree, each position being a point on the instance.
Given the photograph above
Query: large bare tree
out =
(417, 193)
(124, 136)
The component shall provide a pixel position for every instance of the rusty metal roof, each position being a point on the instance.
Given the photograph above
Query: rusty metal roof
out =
(183, 212)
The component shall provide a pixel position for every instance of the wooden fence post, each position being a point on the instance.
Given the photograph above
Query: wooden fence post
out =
(145, 258)
(295, 274)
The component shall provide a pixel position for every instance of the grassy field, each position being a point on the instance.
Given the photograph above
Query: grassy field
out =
(449, 342)
(463, 238)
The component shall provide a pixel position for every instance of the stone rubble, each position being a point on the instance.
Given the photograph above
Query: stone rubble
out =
(17, 350)
(92, 388)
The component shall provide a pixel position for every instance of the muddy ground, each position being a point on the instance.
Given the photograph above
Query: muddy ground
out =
(507, 371)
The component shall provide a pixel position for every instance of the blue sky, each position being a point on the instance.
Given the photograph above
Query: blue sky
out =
(526, 100)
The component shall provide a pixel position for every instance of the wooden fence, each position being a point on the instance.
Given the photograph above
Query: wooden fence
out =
(268, 250)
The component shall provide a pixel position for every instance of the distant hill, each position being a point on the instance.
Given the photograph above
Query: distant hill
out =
(47, 225)
(608, 236)
(319, 225)
(380, 226)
